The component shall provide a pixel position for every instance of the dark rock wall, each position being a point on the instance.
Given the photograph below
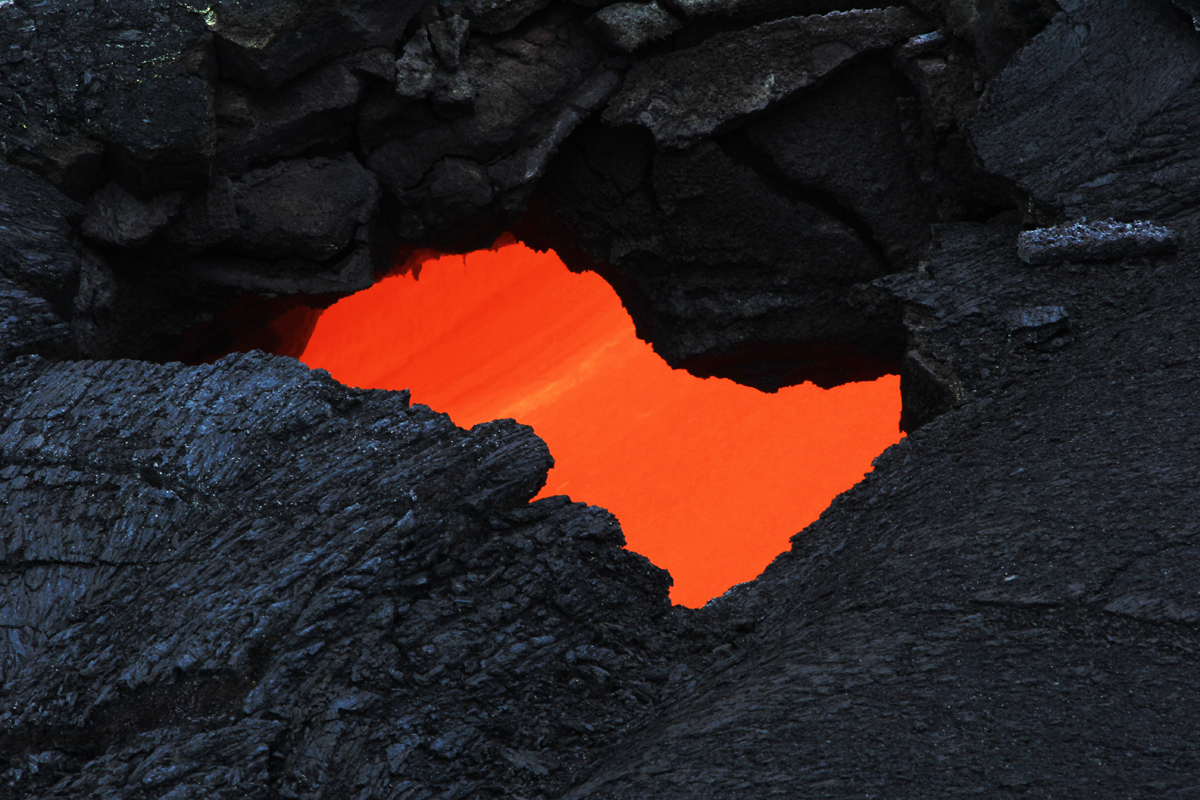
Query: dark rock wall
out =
(296, 149)
(1006, 604)
(245, 580)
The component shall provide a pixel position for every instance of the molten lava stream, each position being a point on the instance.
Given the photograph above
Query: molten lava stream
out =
(708, 478)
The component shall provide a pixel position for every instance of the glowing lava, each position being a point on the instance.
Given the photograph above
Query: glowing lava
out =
(708, 478)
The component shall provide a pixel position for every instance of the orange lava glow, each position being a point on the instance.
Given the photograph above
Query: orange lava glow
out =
(708, 478)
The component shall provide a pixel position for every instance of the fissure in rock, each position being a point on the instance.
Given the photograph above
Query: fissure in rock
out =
(709, 478)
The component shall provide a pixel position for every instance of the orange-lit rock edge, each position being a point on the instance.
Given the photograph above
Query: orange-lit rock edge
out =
(709, 478)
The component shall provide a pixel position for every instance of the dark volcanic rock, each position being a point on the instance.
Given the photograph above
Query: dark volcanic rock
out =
(160, 131)
(36, 227)
(1153, 178)
(115, 217)
(29, 324)
(1103, 240)
(995, 29)
(264, 44)
(305, 588)
(116, 84)
(498, 16)
(766, 10)
(39, 265)
(631, 26)
(255, 127)
(1002, 604)
(307, 208)
(245, 580)
(849, 142)
(297, 226)
(699, 187)
(749, 71)
(723, 269)
(1080, 63)
(736, 256)
(495, 122)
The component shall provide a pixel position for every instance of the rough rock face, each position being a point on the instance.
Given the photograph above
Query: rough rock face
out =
(1078, 62)
(734, 216)
(632, 26)
(1007, 603)
(97, 87)
(714, 260)
(282, 587)
(39, 264)
(1102, 240)
(264, 44)
(163, 118)
(169, 121)
(753, 69)
(244, 580)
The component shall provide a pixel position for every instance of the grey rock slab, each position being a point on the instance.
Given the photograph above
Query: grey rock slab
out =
(1040, 326)
(686, 95)
(630, 26)
(36, 226)
(1099, 240)
(1035, 317)
(1070, 104)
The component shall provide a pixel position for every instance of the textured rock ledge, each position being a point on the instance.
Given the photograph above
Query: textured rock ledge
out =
(292, 149)
(1008, 604)
(246, 580)
(1101, 240)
